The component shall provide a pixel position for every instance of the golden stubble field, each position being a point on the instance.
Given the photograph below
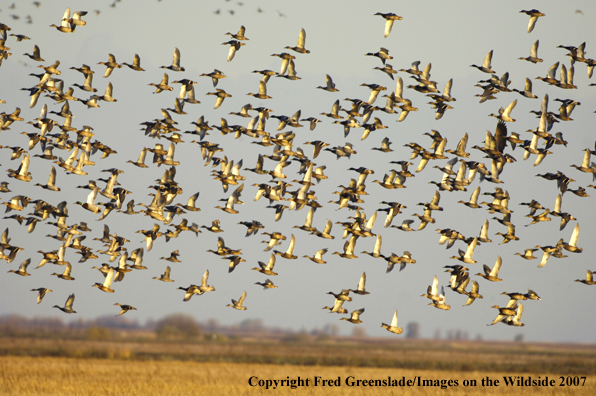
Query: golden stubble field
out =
(69, 376)
(32, 366)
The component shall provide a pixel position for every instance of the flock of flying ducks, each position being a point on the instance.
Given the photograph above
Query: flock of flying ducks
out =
(49, 136)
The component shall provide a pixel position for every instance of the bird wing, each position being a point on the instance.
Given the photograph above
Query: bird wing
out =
(495, 271)
(487, 60)
(65, 18)
(544, 259)
(205, 278)
(241, 299)
(378, 242)
(470, 249)
(176, 60)
(558, 204)
(301, 38)
(356, 314)
(262, 88)
(319, 254)
(291, 246)
(109, 276)
(69, 301)
(484, 230)
(388, 26)
(435, 287)
(361, 282)
(574, 236)
(271, 263)
(394, 320)
(91, 197)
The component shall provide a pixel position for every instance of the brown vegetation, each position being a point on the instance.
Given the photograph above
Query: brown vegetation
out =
(67, 376)
(519, 358)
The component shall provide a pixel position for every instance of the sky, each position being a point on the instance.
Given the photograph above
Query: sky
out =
(338, 35)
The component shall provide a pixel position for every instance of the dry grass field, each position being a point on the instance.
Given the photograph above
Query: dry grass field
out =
(32, 366)
(70, 376)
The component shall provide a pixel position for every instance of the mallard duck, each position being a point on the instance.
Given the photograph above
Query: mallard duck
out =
(165, 277)
(514, 320)
(267, 284)
(204, 286)
(589, 278)
(572, 245)
(300, 45)
(439, 300)
(190, 291)
(383, 54)
(262, 91)
(325, 234)
(534, 15)
(239, 35)
(238, 304)
(466, 257)
(329, 85)
(41, 292)
(354, 316)
(67, 25)
(66, 274)
(163, 85)
(405, 226)
(528, 254)
(432, 292)
(348, 248)
(288, 254)
(376, 253)
(22, 268)
(508, 310)
(337, 307)
(221, 95)
(234, 198)
(36, 56)
(492, 274)
(173, 258)
(234, 261)
(234, 47)
(107, 96)
(252, 227)
(275, 239)
(393, 326)
(486, 67)
(215, 227)
(215, 75)
(136, 63)
(318, 256)
(51, 186)
(175, 66)
(223, 250)
(105, 287)
(361, 286)
(533, 53)
(68, 305)
(505, 115)
(110, 65)
(90, 203)
(267, 269)
(87, 84)
(22, 173)
(473, 202)
(389, 19)
(551, 77)
(385, 143)
(124, 308)
(473, 294)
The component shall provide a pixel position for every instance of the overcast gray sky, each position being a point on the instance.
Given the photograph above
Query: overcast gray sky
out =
(339, 34)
